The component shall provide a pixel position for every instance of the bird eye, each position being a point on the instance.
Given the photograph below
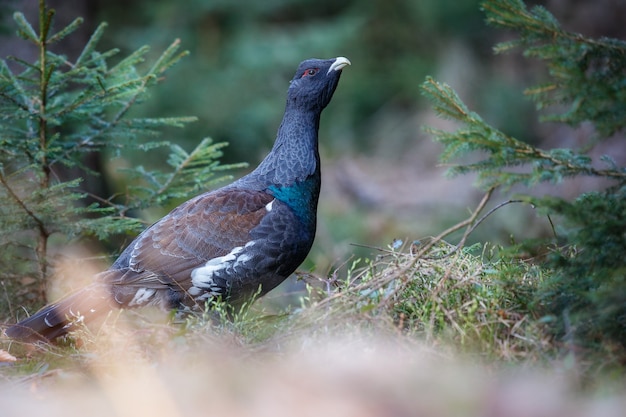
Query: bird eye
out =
(310, 72)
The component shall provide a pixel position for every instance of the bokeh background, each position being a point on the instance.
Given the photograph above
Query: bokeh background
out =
(381, 174)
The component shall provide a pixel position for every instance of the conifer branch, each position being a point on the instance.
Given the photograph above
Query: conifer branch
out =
(181, 166)
(587, 74)
(16, 198)
(45, 72)
(502, 150)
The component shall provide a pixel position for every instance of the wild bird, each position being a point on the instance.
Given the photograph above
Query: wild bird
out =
(233, 242)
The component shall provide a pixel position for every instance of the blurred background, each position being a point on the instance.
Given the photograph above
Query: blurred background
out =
(381, 177)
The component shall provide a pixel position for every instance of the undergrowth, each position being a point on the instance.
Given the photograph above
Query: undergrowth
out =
(454, 299)
(443, 297)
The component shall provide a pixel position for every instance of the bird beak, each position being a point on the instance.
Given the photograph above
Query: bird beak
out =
(339, 63)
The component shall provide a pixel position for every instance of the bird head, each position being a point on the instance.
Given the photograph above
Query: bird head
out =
(314, 83)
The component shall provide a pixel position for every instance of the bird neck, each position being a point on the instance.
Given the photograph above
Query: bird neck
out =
(294, 158)
(291, 171)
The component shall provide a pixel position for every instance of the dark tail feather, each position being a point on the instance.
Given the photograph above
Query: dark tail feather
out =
(58, 319)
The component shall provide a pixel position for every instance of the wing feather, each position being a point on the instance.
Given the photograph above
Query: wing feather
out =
(203, 228)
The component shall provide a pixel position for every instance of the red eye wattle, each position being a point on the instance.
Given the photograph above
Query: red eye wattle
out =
(310, 72)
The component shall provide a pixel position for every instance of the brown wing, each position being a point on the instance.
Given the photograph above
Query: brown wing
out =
(200, 229)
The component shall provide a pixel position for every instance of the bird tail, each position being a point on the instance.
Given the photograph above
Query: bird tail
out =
(57, 319)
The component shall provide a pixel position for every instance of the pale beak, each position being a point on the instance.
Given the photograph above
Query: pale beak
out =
(340, 62)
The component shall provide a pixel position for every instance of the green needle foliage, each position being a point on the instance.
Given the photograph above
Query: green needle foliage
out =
(54, 112)
(587, 75)
(584, 299)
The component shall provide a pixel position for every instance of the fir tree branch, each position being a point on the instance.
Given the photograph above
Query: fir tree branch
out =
(45, 72)
(503, 150)
(538, 22)
(25, 30)
(65, 31)
(150, 76)
(179, 168)
(587, 75)
(137, 86)
(41, 226)
(90, 46)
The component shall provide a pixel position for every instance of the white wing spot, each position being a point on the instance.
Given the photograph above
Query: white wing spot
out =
(142, 296)
(193, 291)
(268, 206)
(242, 259)
(203, 285)
(204, 296)
(203, 277)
